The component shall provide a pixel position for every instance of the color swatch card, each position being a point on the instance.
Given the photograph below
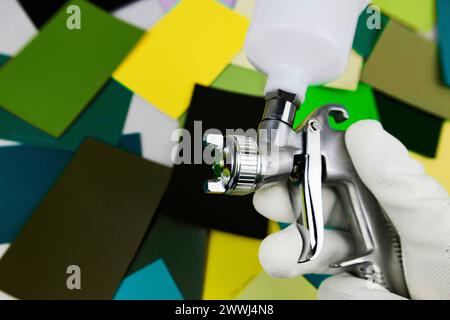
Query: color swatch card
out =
(438, 167)
(241, 80)
(41, 11)
(168, 4)
(142, 14)
(419, 131)
(419, 15)
(3, 59)
(180, 51)
(406, 66)
(153, 282)
(103, 119)
(56, 75)
(349, 80)
(182, 246)
(232, 264)
(245, 8)
(371, 24)
(28, 174)
(185, 198)
(264, 287)
(360, 104)
(156, 128)
(87, 230)
(16, 28)
(443, 13)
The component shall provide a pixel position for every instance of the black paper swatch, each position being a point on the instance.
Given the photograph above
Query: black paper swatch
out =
(417, 130)
(185, 198)
(40, 11)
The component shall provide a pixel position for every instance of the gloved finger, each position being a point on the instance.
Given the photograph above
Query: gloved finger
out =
(409, 196)
(279, 253)
(417, 205)
(347, 287)
(274, 203)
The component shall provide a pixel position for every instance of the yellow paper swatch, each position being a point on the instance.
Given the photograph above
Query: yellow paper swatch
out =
(264, 287)
(349, 80)
(192, 44)
(419, 15)
(438, 167)
(232, 263)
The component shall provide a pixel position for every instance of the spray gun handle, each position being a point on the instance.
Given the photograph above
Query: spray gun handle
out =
(309, 157)
(377, 247)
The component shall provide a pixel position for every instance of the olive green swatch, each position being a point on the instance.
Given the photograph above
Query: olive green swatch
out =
(406, 66)
(94, 218)
(419, 131)
(183, 248)
(360, 104)
(103, 120)
(55, 76)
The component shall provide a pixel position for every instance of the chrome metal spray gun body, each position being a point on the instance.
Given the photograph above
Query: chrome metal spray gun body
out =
(307, 158)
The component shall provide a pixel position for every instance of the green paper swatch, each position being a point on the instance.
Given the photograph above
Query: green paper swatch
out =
(365, 38)
(56, 75)
(360, 104)
(103, 120)
(241, 80)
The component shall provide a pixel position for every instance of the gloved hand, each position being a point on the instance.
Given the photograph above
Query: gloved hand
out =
(417, 205)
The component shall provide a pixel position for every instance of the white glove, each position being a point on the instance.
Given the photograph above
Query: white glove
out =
(417, 205)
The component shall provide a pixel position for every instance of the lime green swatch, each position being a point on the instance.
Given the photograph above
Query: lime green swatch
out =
(103, 120)
(360, 104)
(55, 76)
(241, 80)
(419, 15)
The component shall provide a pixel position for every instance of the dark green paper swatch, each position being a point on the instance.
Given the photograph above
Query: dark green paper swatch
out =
(55, 76)
(365, 38)
(103, 120)
(183, 248)
(95, 217)
(3, 59)
(419, 131)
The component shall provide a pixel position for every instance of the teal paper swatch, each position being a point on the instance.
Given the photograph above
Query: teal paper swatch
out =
(154, 282)
(443, 17)
(27, 174)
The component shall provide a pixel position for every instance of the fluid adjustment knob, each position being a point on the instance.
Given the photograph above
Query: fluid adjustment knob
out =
(237, 164)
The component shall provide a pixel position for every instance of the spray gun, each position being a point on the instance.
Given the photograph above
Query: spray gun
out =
(297, 43)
